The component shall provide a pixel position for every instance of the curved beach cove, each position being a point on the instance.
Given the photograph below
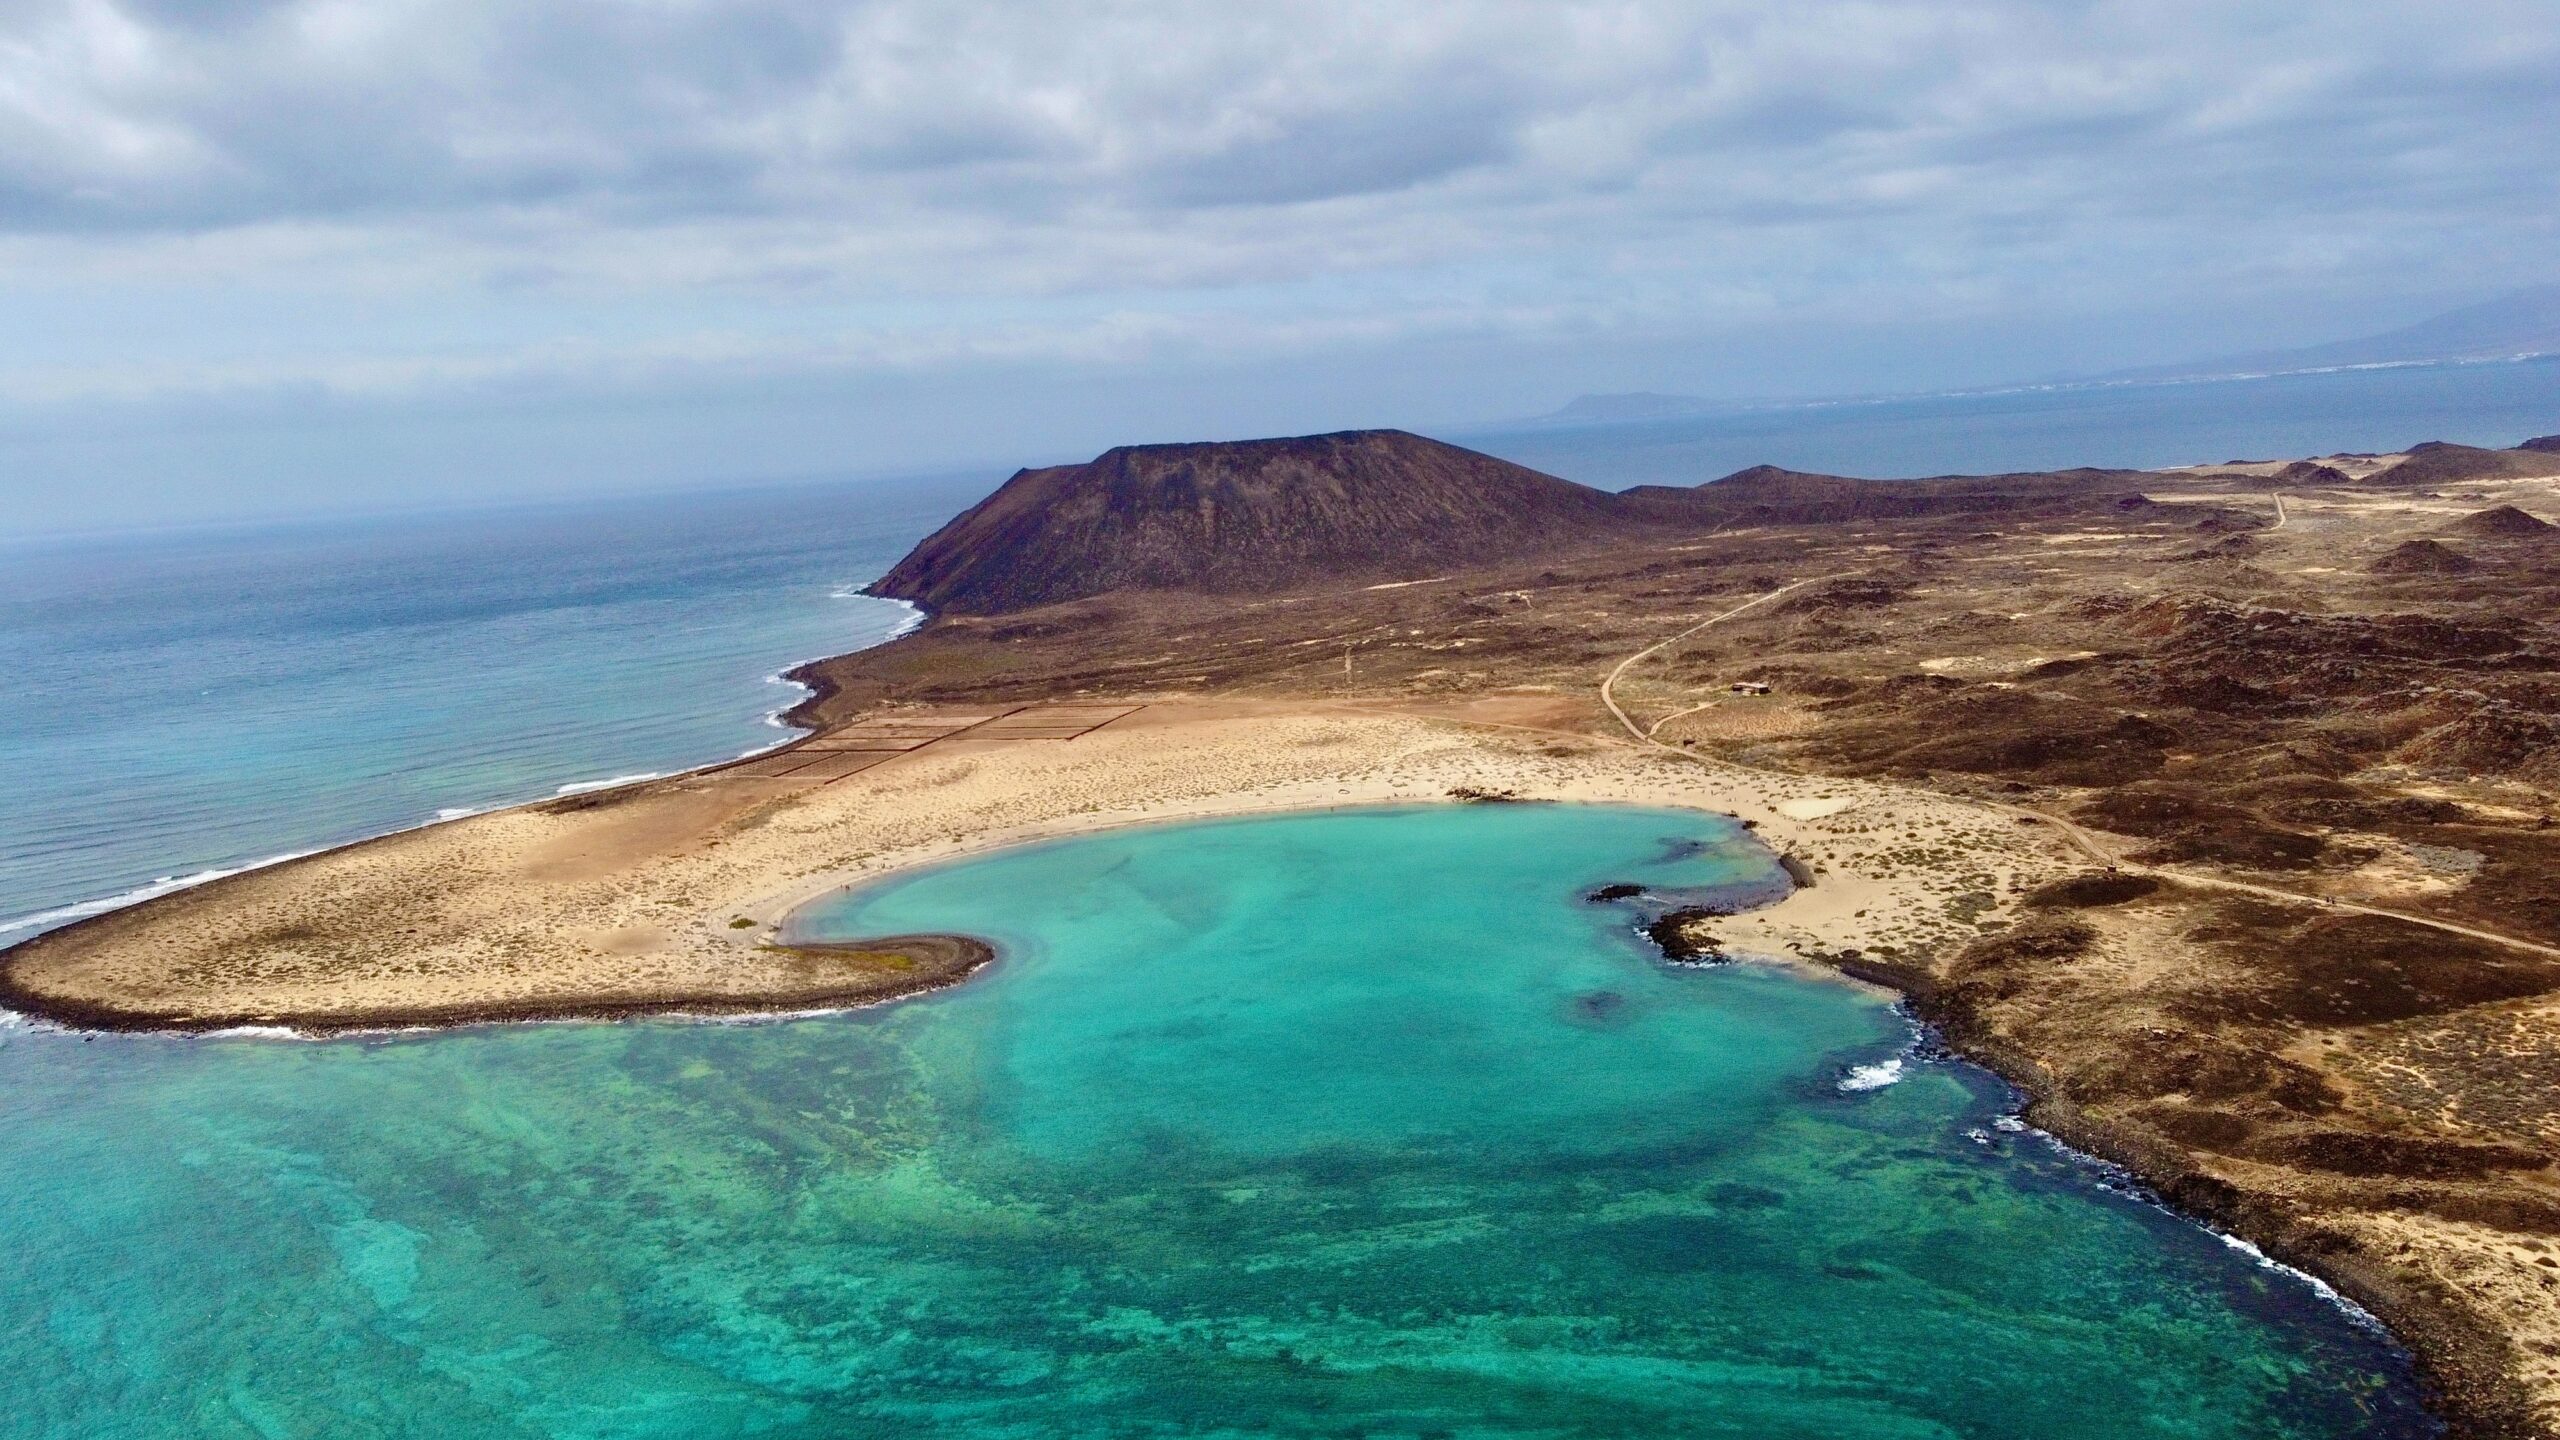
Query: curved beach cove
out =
(1361, 1123)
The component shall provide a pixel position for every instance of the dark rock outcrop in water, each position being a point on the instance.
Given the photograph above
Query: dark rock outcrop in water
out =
(1244, 517)
(1683, 937)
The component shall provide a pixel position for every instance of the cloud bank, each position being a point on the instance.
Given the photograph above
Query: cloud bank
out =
(372, 197)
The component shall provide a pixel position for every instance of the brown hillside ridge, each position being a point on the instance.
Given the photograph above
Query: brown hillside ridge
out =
(1248, 516)
(2438, 463)
(1374, 505)
(2500, 523)
(2311, 472)
(2423, 557)
(1769, 494)
(2218, 811)
(2543, 444)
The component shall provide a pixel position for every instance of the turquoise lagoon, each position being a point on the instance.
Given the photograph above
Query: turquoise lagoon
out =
(1361, 1123)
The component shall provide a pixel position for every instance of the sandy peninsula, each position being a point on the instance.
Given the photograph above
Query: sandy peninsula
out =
(669, 896)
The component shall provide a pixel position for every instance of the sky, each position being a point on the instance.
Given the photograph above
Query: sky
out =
(287, 257)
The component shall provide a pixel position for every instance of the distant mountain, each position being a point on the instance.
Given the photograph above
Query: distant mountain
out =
(1245, 516)
(2524, 323)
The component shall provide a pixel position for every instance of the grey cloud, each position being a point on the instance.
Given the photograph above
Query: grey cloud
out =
(588, 168)
(201, 116)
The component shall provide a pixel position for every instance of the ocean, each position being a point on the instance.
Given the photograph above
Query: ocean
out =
(180, 705)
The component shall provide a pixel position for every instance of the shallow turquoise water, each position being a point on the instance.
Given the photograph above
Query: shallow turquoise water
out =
(1355, 1124)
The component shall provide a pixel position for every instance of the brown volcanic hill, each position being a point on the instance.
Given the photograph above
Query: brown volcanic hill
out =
(2543, 444)
(2439, 463)
(2422, 557)
(2504, 522)
(1769, 494)
(1244, 516)
(2311, 472)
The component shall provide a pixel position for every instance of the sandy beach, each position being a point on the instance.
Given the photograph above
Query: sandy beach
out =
(668, 896)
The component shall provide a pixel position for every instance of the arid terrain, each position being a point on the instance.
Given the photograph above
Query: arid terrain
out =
(2211, 806)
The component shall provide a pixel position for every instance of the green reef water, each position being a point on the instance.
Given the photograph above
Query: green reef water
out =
(1353, 1124)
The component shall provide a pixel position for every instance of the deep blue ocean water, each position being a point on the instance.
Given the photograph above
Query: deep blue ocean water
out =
(184, 703)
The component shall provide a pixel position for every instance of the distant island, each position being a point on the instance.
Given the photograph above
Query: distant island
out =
(1633, 405)
(2213, 806)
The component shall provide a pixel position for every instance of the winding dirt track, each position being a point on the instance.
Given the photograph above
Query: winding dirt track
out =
(2080, 838)
(1608, 686)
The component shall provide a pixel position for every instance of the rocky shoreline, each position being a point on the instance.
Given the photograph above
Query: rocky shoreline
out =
(2464, 1367)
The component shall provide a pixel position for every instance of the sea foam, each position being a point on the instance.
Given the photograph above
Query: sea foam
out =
(1872, 1077)
(152, 890)
(581, 787)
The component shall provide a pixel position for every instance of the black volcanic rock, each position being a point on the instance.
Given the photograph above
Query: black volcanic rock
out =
(1683, 937)
(1246, 516)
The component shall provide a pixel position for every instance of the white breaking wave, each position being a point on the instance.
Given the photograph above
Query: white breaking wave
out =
(456, 812)
(165, 885)
(907, 625)
(2319, 1287)
(581, 787)
(1872, 1077)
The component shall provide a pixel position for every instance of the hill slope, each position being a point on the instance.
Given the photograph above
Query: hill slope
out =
(1254, 515)
(2437, 463)
(1769, 495)
(2501, 523)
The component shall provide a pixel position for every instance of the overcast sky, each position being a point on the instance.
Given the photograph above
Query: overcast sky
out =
(275, 256)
